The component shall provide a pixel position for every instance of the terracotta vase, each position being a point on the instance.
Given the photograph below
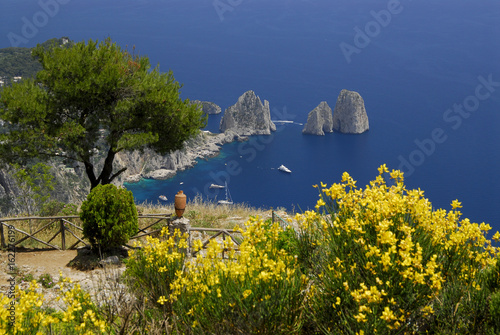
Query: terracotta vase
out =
(180, 204)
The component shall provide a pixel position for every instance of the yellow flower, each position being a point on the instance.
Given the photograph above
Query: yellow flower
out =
(496, 237)
(246, 293)
(456, 204)
(388, 315)
(360, 317)
(383, 168)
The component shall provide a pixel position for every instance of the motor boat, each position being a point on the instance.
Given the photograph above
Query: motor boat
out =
(284, 169)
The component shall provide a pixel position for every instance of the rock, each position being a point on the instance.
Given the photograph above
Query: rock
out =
(111, 260)
(208, 107)
(248, 116)
(83, 251)
(151, 165)
(160, 174)
(319, 120)
(135, 178)
(350, 115)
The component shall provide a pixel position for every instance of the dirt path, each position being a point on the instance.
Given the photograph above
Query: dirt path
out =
(41, 262)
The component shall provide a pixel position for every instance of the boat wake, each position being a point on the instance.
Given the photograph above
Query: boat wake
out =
(286, 121)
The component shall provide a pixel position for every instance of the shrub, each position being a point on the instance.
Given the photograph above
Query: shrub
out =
(382, 260)
(109, 216)
(259, 289)
(153, 267)
(77, 314)
(51, 208)
(46, 280)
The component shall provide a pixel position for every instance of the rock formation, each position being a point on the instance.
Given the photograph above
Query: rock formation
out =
(349, 115)
(151, 165)
(248, 116)
(208, 107)
(319, 120)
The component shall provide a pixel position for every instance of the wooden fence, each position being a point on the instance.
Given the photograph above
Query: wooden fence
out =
(65, 227)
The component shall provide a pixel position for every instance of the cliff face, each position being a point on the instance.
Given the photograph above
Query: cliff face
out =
(248, 116)
(208, 107)
(350, 115)
(151, 165)
(319, 120)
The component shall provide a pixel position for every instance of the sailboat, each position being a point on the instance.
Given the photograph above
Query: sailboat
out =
(228, 200)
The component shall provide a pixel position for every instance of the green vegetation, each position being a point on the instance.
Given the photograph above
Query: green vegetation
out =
(109, 217)
(378, 260)
(19, 62)
(47, 281)
(94, 100)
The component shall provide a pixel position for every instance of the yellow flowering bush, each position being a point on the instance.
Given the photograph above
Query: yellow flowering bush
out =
(152, 268)
(256, 289)
(382, 260)
(77, 314)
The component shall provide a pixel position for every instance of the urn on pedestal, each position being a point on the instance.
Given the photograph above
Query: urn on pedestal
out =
(180, 204)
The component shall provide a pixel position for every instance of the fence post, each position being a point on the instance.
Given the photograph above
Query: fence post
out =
(63, 236)
(223, 244)
(184, 227)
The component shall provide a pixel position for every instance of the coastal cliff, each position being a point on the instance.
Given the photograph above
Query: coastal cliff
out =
(153, 166)
(319, 120)
(349, 115)
(249, 116)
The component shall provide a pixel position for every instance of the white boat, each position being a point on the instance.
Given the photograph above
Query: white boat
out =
(216, 186)
(162, 197)
(228, 200)
(284, 169)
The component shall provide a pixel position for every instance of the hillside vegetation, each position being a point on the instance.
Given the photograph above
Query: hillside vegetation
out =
(18, 62)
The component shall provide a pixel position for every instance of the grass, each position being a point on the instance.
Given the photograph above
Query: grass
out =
(208, 214)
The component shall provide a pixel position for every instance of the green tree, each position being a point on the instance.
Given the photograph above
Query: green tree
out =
(93, 100)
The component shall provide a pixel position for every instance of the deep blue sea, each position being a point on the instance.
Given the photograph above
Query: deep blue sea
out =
(429, 73)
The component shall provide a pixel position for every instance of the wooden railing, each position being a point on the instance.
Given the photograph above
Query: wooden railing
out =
(65, 227)
(218, 233)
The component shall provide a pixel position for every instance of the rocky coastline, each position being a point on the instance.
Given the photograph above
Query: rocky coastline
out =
(149, 165)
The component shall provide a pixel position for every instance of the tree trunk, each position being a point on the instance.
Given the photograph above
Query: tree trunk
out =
(106, 176)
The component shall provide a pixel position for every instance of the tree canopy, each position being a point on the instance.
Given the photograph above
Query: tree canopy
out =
(94, 100)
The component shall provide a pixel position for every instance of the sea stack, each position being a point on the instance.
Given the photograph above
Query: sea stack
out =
(319, 120)
(249, 116)
(208, 107)
(349, 115)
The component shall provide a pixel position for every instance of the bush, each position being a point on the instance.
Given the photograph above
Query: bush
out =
(259, 289)
(109, 216)
(46, 280)
(51, 208)
(383, 261)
